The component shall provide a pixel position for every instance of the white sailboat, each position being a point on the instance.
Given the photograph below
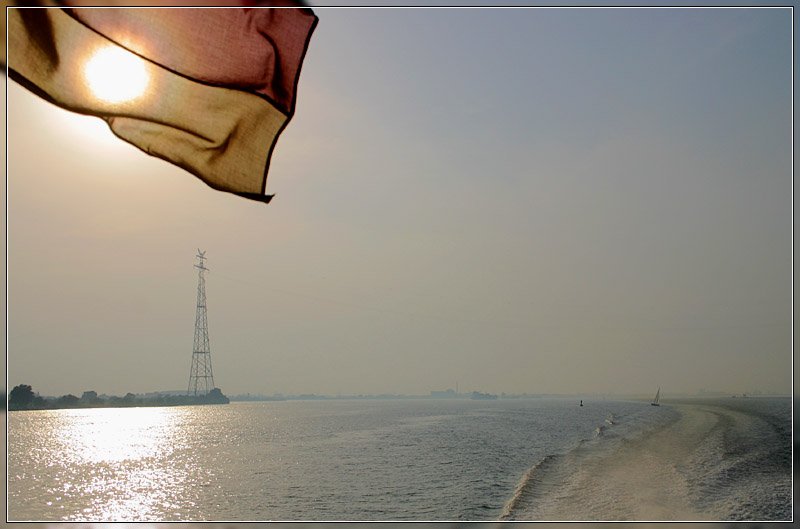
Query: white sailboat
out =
(656, 399)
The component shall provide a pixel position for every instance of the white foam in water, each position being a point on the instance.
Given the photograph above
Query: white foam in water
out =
(710, 460)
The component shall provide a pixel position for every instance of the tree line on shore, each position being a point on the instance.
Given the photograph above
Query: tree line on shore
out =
(22, 397)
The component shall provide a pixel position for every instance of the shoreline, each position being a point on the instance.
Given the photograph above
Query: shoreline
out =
(117, 402)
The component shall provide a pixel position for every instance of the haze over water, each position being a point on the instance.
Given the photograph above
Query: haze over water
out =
(518, 200)
(530, 201)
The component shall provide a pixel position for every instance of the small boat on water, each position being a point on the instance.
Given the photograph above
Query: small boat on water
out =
(656, 399)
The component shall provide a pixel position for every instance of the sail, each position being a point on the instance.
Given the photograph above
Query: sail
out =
(655, 400)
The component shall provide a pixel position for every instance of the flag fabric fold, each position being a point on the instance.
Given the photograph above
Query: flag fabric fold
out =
(220, 83)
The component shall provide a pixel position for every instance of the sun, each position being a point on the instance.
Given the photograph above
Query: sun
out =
(115, 75)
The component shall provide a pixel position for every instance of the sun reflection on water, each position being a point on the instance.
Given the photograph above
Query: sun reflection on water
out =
(113, 435)
(122, 464)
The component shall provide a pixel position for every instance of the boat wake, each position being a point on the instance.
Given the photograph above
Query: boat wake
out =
(539, 483)
(526, 489)
(698, 461)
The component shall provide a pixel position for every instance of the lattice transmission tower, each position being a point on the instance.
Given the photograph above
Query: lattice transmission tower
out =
(201, 376)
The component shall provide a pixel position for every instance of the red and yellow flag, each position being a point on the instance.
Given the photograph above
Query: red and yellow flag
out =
(207, 89)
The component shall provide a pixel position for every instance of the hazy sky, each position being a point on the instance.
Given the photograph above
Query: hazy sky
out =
(518, 200)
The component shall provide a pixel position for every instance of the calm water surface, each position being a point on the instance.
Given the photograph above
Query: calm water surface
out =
(293, 460)
(298, 460)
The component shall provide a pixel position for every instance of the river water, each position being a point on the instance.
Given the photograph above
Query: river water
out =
(384, 460)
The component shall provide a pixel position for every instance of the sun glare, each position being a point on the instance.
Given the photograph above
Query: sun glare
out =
(115, 75)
